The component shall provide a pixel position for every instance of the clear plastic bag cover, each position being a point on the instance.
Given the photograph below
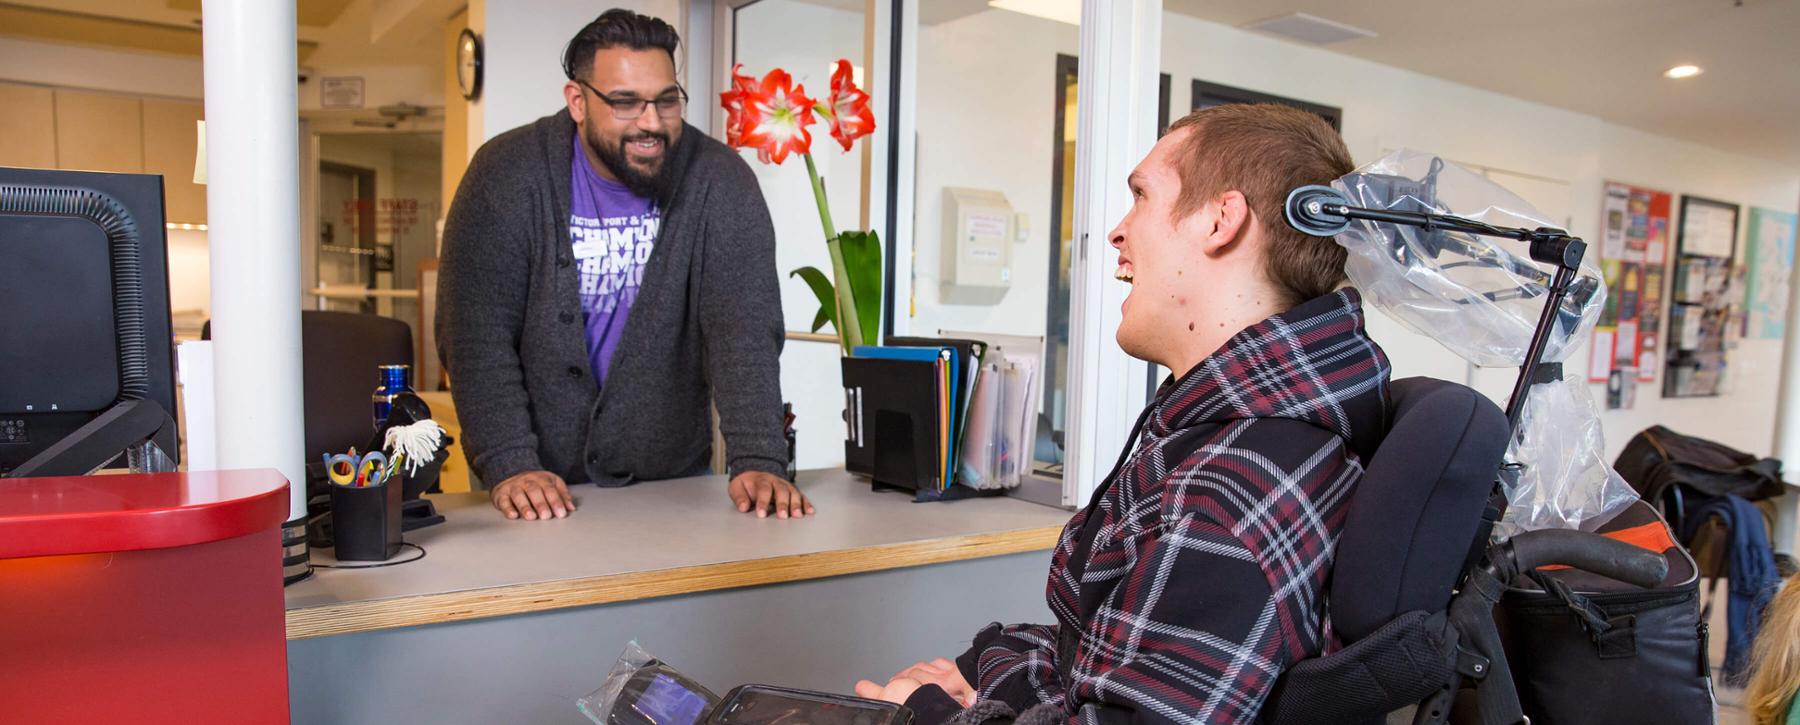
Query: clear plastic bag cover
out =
(1478, 296)
(1481, 297)
(1566, 482)
(642, 690)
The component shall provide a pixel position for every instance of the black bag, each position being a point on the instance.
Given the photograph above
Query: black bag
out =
(1659, 462)
(1590, 650)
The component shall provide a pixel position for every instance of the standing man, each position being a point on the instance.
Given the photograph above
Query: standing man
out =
(607, 273)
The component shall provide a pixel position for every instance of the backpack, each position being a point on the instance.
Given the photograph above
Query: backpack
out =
(1674, 472)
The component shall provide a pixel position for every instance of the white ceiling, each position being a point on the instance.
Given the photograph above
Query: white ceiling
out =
(359, 33)
(1600, 57)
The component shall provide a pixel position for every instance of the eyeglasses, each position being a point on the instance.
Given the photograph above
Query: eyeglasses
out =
(628, 108)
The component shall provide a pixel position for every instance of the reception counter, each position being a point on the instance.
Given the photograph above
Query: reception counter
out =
(510, 621)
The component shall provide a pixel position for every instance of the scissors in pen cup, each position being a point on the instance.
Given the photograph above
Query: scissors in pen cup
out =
(369, 469)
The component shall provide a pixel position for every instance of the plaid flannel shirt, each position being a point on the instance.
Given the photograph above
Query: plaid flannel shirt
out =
(1197, 574)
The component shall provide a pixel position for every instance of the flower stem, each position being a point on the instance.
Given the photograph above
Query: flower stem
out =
(849, 328)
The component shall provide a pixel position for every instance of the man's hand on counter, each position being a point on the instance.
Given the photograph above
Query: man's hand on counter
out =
(533, 495)
(755, 490)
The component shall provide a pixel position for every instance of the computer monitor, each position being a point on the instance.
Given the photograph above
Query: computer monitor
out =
(84, 314)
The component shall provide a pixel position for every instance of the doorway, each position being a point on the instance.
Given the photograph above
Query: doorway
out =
(346, 225)
(376, 221)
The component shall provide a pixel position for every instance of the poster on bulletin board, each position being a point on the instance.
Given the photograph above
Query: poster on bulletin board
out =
(1634, 254)
(1703, 317)
(1769, 257)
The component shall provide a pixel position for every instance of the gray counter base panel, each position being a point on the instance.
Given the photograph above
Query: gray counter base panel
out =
(822, 634)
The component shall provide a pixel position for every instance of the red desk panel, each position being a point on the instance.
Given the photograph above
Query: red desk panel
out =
(143, 598)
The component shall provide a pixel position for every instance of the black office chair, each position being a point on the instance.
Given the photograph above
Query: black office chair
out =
(340, 352)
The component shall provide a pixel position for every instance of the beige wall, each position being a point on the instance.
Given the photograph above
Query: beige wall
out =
(55, 127)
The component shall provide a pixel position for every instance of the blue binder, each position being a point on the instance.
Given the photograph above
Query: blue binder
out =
(947, 356)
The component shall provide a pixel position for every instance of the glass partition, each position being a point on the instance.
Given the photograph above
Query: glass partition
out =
(996, 130)
(806, 38)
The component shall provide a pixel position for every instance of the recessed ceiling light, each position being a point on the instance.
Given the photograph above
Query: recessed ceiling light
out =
(1682, 71)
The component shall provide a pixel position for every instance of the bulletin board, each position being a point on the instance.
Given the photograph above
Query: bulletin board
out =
(1634, 255)
(1769, 261)
(1702, 306)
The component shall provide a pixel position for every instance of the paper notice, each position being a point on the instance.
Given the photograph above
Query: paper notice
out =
(1599, 362)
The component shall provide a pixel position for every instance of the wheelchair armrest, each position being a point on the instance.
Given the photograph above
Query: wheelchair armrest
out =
(1589, 552)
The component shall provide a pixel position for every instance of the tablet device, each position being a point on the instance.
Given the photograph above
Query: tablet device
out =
(659, 695)
(768, 705)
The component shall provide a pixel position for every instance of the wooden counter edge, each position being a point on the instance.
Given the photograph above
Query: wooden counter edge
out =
(377, 614)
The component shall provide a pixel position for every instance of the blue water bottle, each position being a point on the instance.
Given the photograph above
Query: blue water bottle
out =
(395, 379)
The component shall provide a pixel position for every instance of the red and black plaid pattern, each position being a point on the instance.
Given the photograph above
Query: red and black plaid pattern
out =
(1198, 574)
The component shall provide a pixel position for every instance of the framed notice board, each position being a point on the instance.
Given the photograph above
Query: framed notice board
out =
(1701, 300)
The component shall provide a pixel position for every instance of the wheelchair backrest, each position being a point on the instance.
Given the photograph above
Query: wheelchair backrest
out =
(1415, 514)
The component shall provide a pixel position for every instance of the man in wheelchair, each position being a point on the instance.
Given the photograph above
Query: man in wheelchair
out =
(1196, 575)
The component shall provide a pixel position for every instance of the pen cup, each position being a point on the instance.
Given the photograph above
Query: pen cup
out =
(365, 521)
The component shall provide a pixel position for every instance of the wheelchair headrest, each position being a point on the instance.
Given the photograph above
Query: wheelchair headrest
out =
(1415, 513)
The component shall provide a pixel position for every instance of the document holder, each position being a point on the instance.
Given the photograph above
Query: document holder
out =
(891, 418)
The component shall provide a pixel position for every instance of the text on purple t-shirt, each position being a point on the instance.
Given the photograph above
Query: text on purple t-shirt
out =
(612, 232)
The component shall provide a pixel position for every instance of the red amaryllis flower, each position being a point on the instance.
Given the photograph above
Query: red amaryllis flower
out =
(848, 109)
(776, 114)
(733, 100)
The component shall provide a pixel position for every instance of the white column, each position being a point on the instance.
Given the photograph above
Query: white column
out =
(252, 192)
(1787, 425)
(1121, 53)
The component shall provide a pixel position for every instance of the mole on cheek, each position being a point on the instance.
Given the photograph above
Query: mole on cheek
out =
(1190, 327)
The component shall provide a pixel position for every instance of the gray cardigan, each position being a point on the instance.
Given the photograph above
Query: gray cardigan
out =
(706, 326)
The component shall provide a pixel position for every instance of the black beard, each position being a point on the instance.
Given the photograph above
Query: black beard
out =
(640, 183)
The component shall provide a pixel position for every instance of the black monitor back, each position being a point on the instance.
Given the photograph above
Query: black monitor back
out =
(84, 303)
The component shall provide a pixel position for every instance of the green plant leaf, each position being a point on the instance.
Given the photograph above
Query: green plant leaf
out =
(821, 287)
(862, 263)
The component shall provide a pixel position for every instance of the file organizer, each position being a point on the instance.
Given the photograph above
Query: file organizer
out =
(908, 409)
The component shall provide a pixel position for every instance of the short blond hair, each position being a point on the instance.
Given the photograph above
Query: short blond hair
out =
(1265, 150)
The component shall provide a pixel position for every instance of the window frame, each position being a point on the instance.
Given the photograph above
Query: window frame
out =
(1116, 128)
(1233, 94)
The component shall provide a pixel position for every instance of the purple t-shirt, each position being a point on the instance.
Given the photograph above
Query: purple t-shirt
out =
(612, 232)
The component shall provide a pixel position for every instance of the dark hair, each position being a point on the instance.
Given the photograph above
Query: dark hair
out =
(1264, 150)
(612, 29)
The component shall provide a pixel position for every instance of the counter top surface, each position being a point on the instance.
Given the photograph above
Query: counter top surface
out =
(87, 514)
(658, 538)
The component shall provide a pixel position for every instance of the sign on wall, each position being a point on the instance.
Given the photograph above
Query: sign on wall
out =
(1634, 253)
(341, 92)
(1770, 261)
